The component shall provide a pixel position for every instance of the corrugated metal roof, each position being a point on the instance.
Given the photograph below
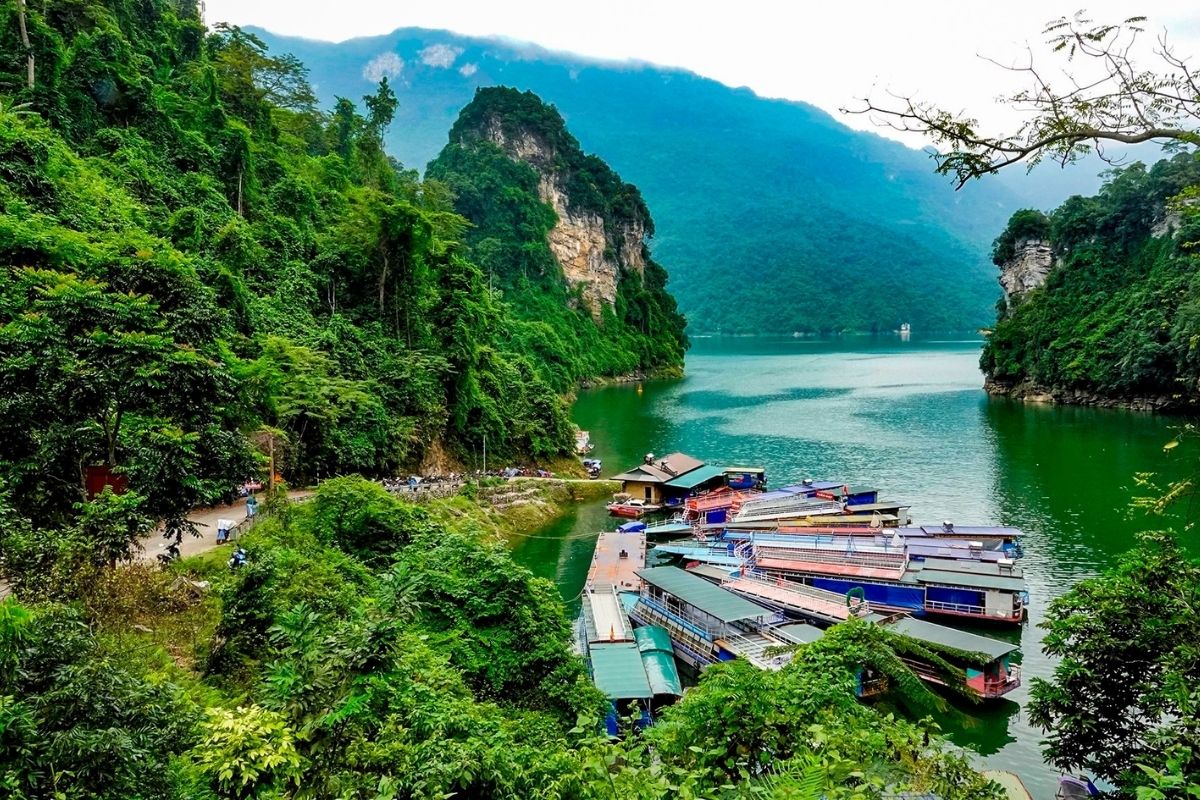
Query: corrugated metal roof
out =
(618, 671)
(645, 473)
(662, 470)
(981, 530)
(800, 632)
(653, 637)
(699, 593)
(976, 574)
(696, 477)
(658, 659)
(950, 637)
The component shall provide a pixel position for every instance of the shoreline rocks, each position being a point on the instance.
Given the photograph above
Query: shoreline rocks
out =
(1033, 394)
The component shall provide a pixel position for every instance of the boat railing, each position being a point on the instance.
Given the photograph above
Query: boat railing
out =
(676, 519)
(923, 671)
(955, 608)
(696, 640)
(995, 687)
(777, 580)
(849, 557)
(701, 631)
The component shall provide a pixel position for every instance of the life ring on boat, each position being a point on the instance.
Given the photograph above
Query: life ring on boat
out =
(856, 600)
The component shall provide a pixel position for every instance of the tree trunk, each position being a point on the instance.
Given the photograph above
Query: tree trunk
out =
(239, 195)
(25, 43)
(382, 283)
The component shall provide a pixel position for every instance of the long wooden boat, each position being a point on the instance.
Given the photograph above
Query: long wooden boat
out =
(714, 617)
(986, 591)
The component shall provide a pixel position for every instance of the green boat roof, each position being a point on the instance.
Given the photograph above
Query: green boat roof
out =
(658, 659)
(653, 637)
(951, 637)
(699, 593)
(696, 477)
(976, 574)
(800, 632)
(618, 671)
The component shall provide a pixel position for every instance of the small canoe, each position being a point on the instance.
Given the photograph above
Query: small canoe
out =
(1014, 787)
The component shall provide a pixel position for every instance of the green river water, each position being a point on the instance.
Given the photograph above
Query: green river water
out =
(909, 418)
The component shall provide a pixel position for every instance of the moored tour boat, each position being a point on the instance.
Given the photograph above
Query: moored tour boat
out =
(631, 508)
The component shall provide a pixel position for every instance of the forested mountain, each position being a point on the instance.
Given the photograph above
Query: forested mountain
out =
(1103, 294)
(199, 265)
(772, 216)
(564, 237)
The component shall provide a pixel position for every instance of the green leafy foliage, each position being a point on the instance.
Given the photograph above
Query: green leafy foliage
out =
(77, 719)
(1123, 702)
(247, 752)
(1118, 315)
(192, 252)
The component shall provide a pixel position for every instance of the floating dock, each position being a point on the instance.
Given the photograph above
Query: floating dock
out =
(614, 569)
(629, 666)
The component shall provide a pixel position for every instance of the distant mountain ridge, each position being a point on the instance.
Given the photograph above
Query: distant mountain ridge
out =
(772, 217)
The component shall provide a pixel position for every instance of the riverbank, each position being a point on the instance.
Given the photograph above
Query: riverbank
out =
(1034, 394)
(661, 373)
(504, 510)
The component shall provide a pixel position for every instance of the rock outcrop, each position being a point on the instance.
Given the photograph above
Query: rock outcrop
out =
(1027, 270)
(592, 250)
(1034, 394)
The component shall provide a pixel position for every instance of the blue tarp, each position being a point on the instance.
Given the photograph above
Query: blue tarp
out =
(632, 527)
(966, 597)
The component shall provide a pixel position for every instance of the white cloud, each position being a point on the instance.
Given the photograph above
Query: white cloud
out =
(467, 70)
(441, 56)
(388, 64)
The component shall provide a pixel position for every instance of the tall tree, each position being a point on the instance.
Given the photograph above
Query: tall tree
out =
(25, 43)
(381, 109)
(1128, 643)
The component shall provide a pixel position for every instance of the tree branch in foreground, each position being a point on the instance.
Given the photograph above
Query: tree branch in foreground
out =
(1100, 96)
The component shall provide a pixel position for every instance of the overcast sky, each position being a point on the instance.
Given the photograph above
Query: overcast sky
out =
(825, 53)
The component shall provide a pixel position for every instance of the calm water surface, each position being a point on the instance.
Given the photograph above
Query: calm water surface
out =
(911, 419)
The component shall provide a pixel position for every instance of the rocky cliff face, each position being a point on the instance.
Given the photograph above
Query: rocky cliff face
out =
(593, 251)
(1027, 269)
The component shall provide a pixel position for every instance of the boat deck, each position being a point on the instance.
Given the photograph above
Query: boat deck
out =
(608, 617)
(826, 568)
(792, 597)
(752, 646)
(609, 569)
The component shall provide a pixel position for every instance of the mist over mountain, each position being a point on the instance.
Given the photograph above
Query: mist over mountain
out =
(771, 216)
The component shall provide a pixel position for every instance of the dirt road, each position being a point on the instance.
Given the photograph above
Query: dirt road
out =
(206, 522)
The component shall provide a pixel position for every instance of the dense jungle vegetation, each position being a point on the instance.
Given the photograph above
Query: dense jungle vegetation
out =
(200, 267)
(1119, 315)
